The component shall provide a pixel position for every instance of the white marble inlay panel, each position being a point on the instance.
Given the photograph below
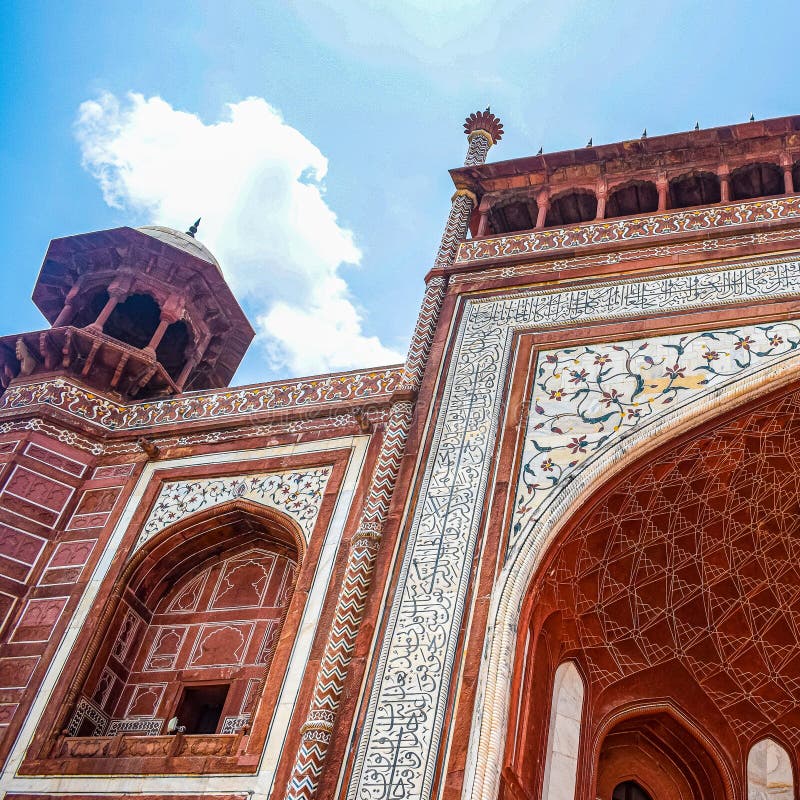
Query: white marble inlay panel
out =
(297, 493)
(588, 398)
(407, 704)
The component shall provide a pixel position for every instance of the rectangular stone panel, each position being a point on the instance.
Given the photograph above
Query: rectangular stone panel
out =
(15, 673)
(38, 489)
(38, 619)
(57, 460)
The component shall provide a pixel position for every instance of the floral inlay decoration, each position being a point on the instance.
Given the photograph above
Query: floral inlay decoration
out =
(584, 397)
(297, 493)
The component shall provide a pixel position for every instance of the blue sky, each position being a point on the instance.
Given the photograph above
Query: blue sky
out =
(315, 137)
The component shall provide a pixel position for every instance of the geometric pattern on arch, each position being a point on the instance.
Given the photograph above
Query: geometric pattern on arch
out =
(683, 580)
(201, 607)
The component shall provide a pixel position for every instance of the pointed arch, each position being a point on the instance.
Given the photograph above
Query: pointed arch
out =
(769, 772)
(564, 734)
(183, 550)
(491, 715)
(672, 756)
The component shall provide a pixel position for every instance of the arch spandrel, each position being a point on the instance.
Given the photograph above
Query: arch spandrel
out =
(712, 480)
(296, 493)
(490, 722)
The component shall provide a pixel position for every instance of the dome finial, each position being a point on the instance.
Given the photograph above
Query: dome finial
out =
(485, 122)
(193, 230)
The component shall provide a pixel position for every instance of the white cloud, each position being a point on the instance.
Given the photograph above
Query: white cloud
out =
(258, 184)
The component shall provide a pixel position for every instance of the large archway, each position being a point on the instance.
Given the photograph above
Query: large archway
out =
(192, 627)
(677, 584)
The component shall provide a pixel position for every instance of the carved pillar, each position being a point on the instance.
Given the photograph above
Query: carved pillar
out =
(194, 360)
(65, 315)
(662, 184)
(118, 291)
(113, 299)
(788, 180)
(602, 196)
(543, 201)
(483, 209)
(171, 312)
(483, 130)
(724, 184)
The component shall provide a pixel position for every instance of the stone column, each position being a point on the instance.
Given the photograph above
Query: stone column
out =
(788, 180)
(65, 315)
(483, 223)
(602, 196)
(483, 130)
(118, 290)
(543, 201)
(724, 184)
(171, 312)
(193, 360)
(662, 184)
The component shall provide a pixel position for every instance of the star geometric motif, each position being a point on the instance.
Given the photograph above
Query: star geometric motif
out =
(695, 558)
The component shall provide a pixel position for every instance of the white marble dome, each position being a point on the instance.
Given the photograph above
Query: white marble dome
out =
(183, 241)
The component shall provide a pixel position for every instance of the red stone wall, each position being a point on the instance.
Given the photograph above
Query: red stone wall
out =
(53, 508)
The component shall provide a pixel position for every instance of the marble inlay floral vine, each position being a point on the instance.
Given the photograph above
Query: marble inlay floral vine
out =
(297, 493)
(585, 397)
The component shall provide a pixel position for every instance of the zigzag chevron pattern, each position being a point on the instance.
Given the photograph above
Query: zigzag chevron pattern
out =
(455, 230)
(349, 608)
(386, 469)
(478, 150)
(316, 732)
(422, 339)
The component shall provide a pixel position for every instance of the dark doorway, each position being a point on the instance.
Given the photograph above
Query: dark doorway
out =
(630, 790)
(201, 707)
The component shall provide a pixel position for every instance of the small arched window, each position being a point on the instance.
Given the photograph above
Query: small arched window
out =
(630, 790)
(89, 309)
(134, 321)
(171, 350)
(635, 197)
(563, 738)
(756, 180)
(769, 772)
(515, 215)
(571, 208)
(694, 189)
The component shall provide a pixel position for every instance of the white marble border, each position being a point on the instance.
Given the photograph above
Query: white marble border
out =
(259, 785)
(406, 709)
(490, 718)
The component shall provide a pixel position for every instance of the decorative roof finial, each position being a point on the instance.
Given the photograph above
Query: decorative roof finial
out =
(752, 118)
(193, 230)
(486, 123)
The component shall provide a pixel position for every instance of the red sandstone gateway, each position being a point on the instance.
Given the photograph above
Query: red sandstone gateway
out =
(553, 555)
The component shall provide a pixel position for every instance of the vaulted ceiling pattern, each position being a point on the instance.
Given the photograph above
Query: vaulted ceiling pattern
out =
(695, 558)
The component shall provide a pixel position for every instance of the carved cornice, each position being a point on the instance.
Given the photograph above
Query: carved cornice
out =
(692, 221)
(306, 394)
